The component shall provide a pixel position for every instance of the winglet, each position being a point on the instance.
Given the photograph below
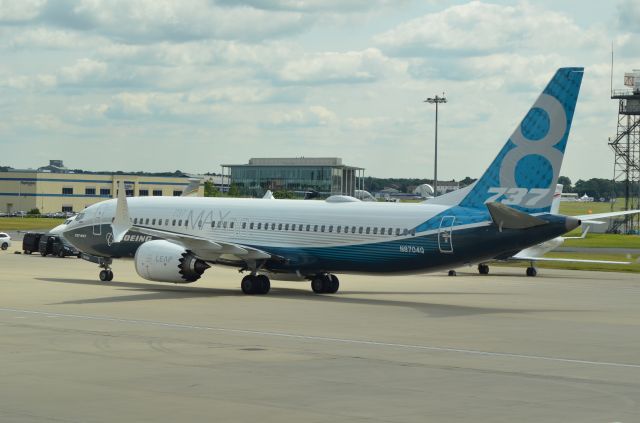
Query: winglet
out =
(121, 222)
(192, 189)
(508, 218)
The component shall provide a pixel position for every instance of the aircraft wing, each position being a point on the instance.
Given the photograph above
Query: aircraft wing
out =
(519, 257)
(204, 248)
(588, 217)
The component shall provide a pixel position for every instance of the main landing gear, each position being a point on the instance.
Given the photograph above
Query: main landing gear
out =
(531, 271)
(255, 284)
(483, 269)
(106, 275)
(325, 283)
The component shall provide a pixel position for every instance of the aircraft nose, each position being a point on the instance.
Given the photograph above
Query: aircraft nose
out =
(571, 223)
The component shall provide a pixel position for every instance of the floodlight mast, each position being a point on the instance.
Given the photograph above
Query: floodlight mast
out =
(436, 100)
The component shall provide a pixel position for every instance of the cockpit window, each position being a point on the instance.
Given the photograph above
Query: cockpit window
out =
(80, 216)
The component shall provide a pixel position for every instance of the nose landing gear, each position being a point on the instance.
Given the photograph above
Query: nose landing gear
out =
(105, 275)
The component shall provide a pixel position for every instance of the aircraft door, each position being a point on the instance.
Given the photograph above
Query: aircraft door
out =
(445, 232)
(97, 220)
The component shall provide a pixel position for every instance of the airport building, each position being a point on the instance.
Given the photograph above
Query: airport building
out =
(326, 175)
(54, 188)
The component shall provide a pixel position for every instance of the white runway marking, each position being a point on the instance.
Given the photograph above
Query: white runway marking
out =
(321, 338)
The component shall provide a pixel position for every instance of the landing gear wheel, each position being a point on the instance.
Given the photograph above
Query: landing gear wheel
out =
(333, 285)
(106, 275)
(452, 273)
(531, 271)
(264, 285)
(248, 285)
(317, 284)
(483, 269)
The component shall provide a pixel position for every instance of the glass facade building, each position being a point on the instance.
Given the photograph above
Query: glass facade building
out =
(328, 176)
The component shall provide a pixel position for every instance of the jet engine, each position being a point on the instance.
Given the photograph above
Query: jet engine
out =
(163, 261)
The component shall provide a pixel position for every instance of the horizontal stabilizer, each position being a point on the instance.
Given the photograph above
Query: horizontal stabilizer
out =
(508, 218)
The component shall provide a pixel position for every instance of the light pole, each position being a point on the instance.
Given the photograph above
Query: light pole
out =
(436, 100)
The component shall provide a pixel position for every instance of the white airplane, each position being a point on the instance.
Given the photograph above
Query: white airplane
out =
(175, 239)
(536, 253)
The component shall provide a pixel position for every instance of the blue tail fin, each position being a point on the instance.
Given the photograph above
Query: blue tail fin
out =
(524, 173)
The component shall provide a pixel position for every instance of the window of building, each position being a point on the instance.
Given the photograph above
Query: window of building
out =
(90, 191)
(67, 191)
(68, 209)
(105, 191)
(143, 192)
(157, 193)
(177, 193)
(129, 193)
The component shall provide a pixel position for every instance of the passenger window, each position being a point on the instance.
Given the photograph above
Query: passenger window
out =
(273, 226)
(413, 232)
(135, 220)
(213, 224)
(219, 224)
(180, 222)
(322, 228)
(375, 231)
(315, 228)
(353, 229)
(390, 231)
(405, 232)
(146, 222)
(251, 225)
(186, 223)
(286, 227)
(330, 228)
(397, 231)
(368, 230)
(308, 228)
(338, 229)
(166, 222)
(279, 226)
(174, 222)
(224, 225)
(259, 225)
(153, 222)
(244, 225)
(300, 227)
(381, 231)
(360, 230)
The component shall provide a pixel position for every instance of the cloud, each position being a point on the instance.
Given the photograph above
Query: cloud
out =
(12, 11)
(629, 15)
(478, 28)
(332, 67)
(313, 116)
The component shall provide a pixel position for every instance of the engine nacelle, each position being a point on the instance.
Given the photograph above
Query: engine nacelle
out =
(163, 261)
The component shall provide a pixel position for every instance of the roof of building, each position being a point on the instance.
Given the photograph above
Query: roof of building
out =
(295, 161)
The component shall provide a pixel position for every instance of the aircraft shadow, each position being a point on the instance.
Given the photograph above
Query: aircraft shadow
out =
(146, 292)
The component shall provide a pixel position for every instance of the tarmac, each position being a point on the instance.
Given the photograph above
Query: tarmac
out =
(561, 347)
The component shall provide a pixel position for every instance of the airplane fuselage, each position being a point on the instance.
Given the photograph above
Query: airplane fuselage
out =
(317, 236)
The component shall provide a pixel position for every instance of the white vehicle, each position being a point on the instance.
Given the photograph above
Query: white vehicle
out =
(175, 239)
(5, 241)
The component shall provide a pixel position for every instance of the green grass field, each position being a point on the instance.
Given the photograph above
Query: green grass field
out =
(28, 223)
(573, 208)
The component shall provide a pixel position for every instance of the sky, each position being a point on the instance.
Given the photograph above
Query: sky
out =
(158, 85)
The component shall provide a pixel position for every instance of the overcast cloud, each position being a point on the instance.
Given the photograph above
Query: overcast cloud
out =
(162, 85)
